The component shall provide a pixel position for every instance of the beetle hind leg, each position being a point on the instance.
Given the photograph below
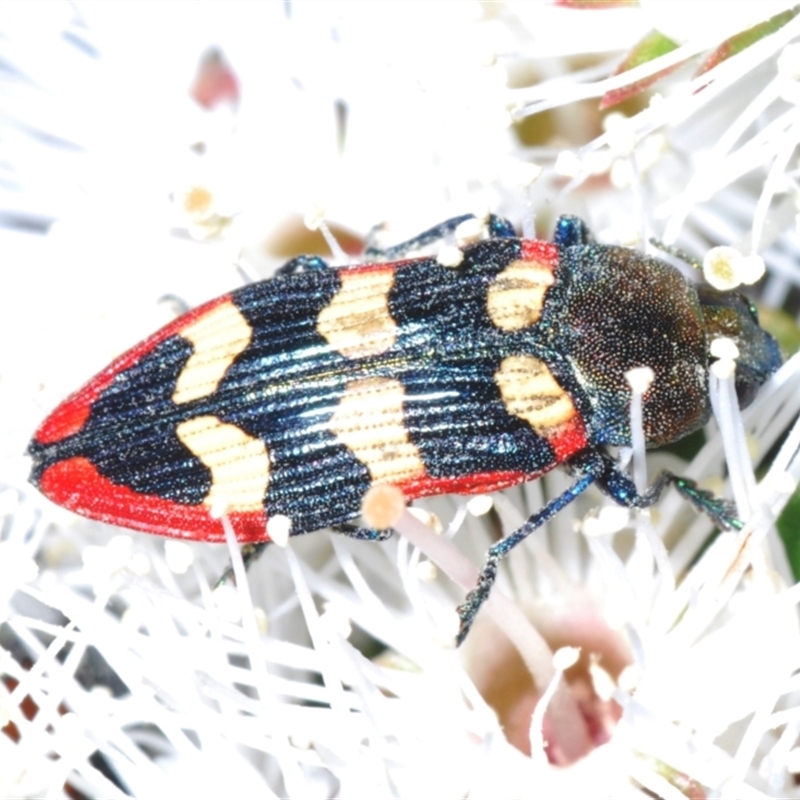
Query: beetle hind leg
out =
(250, 554)
(498, 228)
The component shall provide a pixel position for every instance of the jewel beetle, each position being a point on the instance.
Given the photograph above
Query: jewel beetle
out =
(465, 374)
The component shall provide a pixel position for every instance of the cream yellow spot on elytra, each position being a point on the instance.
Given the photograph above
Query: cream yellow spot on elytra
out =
(218, 337)
(357, 322)
(239, 463)
(369, 422)
(530, 392)
(515, 298)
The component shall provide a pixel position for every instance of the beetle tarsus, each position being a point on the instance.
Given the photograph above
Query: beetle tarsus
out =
(475, 599)
(722, 512)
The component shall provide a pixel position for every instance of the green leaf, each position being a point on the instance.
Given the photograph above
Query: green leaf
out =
(783, 326)
(741, 41)
(653, 46)
(789, 529)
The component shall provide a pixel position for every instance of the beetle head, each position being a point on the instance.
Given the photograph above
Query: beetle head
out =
(732, 315)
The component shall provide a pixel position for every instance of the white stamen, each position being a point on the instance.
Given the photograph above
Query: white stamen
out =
(314, 217)
(470, 230)
(567, 164)
(723, 369)
(639, 379)
(426, 571)
(612, 519)
(219, 507)
(602, 681)
(479, 505)
(723, 347)
(335, 622)
(178, 555)
(725, 268)
(279, 528)
(565, 657)
(527, 173)
(449, 256)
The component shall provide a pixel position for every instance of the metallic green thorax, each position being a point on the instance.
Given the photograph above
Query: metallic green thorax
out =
(620, 309)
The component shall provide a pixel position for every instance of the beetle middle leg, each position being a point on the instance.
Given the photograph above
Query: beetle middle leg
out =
(498, 227)
(363, 534)
(475, 599)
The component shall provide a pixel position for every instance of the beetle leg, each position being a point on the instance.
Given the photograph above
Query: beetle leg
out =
(433, 234)
(618, 486)
(364, 534)
(250, 554)
(571, 231)
(499, 228)
(592, 466)
(721, 511)
(475, 599)
(302, 263)
(676, 252)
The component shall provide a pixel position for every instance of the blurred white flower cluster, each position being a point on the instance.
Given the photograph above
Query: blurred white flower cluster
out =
(155, 156)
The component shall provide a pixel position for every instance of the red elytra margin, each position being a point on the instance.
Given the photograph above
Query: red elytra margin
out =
(69, 417)
(77, 485)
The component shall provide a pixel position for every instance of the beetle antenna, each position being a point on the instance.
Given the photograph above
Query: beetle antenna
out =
(677, 252)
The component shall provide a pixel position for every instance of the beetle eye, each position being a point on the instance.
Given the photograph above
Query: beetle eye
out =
(746, 389)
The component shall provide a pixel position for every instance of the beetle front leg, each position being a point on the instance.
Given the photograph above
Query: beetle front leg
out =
(721, 511)
(619, 487)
